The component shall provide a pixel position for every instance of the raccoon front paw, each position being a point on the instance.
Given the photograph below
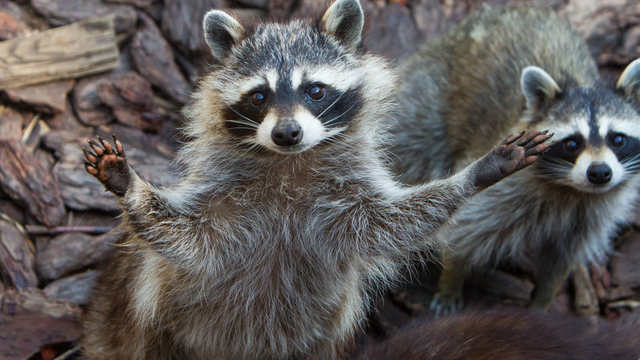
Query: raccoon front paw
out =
(515, 153)
(108, 164)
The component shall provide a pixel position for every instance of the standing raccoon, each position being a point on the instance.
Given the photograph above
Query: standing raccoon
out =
(509, 68)
(286, 217)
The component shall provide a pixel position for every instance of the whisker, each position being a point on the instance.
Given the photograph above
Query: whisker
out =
(329, 107)
(242, 116)
(252, 125)
(337, 117)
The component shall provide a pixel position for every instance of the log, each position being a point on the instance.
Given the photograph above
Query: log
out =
(72, 51)
(28, 183)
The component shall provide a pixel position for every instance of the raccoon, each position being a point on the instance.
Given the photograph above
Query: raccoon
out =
(507, 334)
(287, 218)
(514, 67)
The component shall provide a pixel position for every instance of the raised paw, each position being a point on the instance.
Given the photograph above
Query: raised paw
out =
(515, 153)
(108, 164)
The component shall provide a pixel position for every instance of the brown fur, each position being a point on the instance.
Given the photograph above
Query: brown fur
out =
(507, 334)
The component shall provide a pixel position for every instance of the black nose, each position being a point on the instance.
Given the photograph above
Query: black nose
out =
(599, 173)
(286, 133)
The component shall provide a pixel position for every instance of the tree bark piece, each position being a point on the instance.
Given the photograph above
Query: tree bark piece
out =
(10, 123)
(66, 120)
(75, 288)
(30, 320)
(70, 11)
(87, 104)
(153, 57)
(142, 4)
(625, 266)
(27, 182)
(90, 109)
(131, 98)
(393, 33)
(11, 22)
(73, 251)
(81, 49)
(611, 28)
(48, 98)
(182, 23)
(17, 258)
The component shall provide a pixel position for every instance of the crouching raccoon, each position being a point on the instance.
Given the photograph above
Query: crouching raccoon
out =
(518, 67)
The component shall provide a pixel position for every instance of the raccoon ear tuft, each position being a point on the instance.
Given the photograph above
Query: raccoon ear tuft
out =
(221, 31)
(344, 19)
(538, 86)
(629, 81)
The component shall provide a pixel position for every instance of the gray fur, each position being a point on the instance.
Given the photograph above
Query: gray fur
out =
(256, 254)
(538, 87)
(345, 20)
(221, 32)
(629, 80)
(472, 97)
(444, 86)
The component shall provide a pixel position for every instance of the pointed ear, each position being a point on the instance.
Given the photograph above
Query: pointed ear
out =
(344, 20)
(221, 31)
(538, 87)
(629, 81)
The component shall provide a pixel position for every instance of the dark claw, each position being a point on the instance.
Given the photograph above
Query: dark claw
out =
(93, 142)
(86, 162)
(84, 149)
(505, 142)
(115, 147)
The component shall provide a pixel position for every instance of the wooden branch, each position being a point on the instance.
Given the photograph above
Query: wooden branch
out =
(57, 230)
(72, 51)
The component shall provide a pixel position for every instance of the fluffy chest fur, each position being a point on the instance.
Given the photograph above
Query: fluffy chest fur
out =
(288, 253)
(577, 224)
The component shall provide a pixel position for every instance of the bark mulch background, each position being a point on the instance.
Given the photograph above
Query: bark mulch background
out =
(55, 219)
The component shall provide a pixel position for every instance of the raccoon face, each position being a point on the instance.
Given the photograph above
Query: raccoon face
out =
(293, 109)
(597, 132)
(288, 87)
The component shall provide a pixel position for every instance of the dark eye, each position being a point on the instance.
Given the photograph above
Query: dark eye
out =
(316, 92)
(257, 98)
(619, 141)
(571, 145)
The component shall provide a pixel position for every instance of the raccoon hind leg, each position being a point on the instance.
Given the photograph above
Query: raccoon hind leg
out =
(553, 269)
(449, 298)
